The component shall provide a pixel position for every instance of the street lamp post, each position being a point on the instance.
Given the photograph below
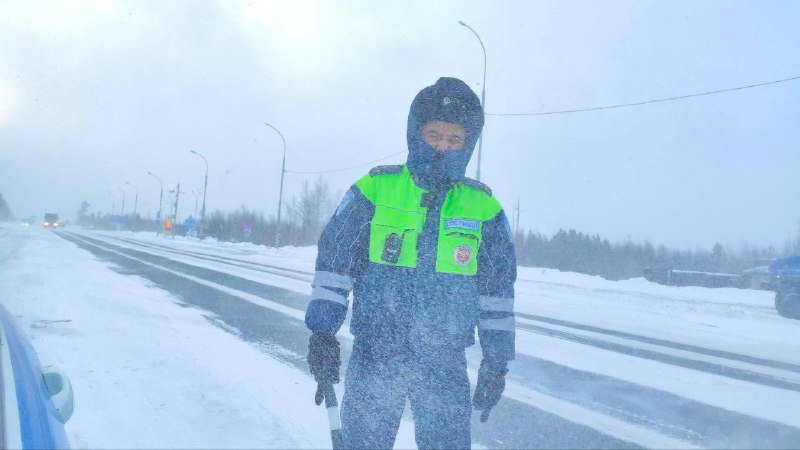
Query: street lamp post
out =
(280, 193)
(177, 192)
(177, 198)
(196, 197)
(205, 187)
(483, 97)
(136, 199)
(160, 200)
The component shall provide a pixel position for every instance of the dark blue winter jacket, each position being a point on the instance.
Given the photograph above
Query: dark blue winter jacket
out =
(418, 309)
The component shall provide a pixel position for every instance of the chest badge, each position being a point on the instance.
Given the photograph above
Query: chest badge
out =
(463, 255)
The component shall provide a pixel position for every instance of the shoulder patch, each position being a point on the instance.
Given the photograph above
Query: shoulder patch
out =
(477, 185)
(348, 197)
(386, 169)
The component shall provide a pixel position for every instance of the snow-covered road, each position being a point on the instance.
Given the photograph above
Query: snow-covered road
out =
(182, 343)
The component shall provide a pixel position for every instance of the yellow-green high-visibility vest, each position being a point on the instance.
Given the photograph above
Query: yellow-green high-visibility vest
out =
(399, 219)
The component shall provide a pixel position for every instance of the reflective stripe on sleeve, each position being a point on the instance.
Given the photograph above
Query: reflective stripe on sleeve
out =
(504, 324)
(332, 279)
(496, 304)
(320, 293)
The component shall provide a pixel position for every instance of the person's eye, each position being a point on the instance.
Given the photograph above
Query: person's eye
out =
(455, 140)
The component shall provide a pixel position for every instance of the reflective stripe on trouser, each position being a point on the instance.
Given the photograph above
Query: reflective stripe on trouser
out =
(375, 392)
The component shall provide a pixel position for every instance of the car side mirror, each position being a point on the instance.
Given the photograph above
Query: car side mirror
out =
(60, 390)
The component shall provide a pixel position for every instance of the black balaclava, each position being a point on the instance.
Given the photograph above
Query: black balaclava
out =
(449, 100)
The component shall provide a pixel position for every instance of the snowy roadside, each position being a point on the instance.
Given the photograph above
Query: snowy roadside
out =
(147, 372)
(740, 321)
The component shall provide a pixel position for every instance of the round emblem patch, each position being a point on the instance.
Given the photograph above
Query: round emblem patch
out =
(446, 101)
(463, 254)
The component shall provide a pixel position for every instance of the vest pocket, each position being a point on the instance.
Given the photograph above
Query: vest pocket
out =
(393, 245)
(393, 236)
(457, 252)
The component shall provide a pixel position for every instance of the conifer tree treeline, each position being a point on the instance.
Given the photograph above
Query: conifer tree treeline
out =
(573, 251)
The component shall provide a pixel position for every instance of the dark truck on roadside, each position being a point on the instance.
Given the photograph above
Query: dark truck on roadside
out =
(51, 220)
(784, 279)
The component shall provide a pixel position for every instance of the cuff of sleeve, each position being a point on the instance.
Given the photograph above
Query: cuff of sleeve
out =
(497, 345)
(325, 317)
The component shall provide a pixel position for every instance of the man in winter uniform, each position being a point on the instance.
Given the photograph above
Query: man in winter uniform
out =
(428, 255)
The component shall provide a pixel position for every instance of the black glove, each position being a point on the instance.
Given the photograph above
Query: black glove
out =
(323, 360)
(491, 383)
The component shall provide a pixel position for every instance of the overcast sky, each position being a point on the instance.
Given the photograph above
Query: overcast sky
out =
(93, 94)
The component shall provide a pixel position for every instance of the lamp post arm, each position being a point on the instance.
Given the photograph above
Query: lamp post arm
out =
(483, 96)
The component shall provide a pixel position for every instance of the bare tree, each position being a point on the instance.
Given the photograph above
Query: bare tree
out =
(311, 210)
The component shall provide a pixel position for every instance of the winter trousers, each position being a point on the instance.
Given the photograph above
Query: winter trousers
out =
(375, 392)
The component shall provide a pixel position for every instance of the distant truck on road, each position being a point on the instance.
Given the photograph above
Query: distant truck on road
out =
(51, 220)
(784, 276)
